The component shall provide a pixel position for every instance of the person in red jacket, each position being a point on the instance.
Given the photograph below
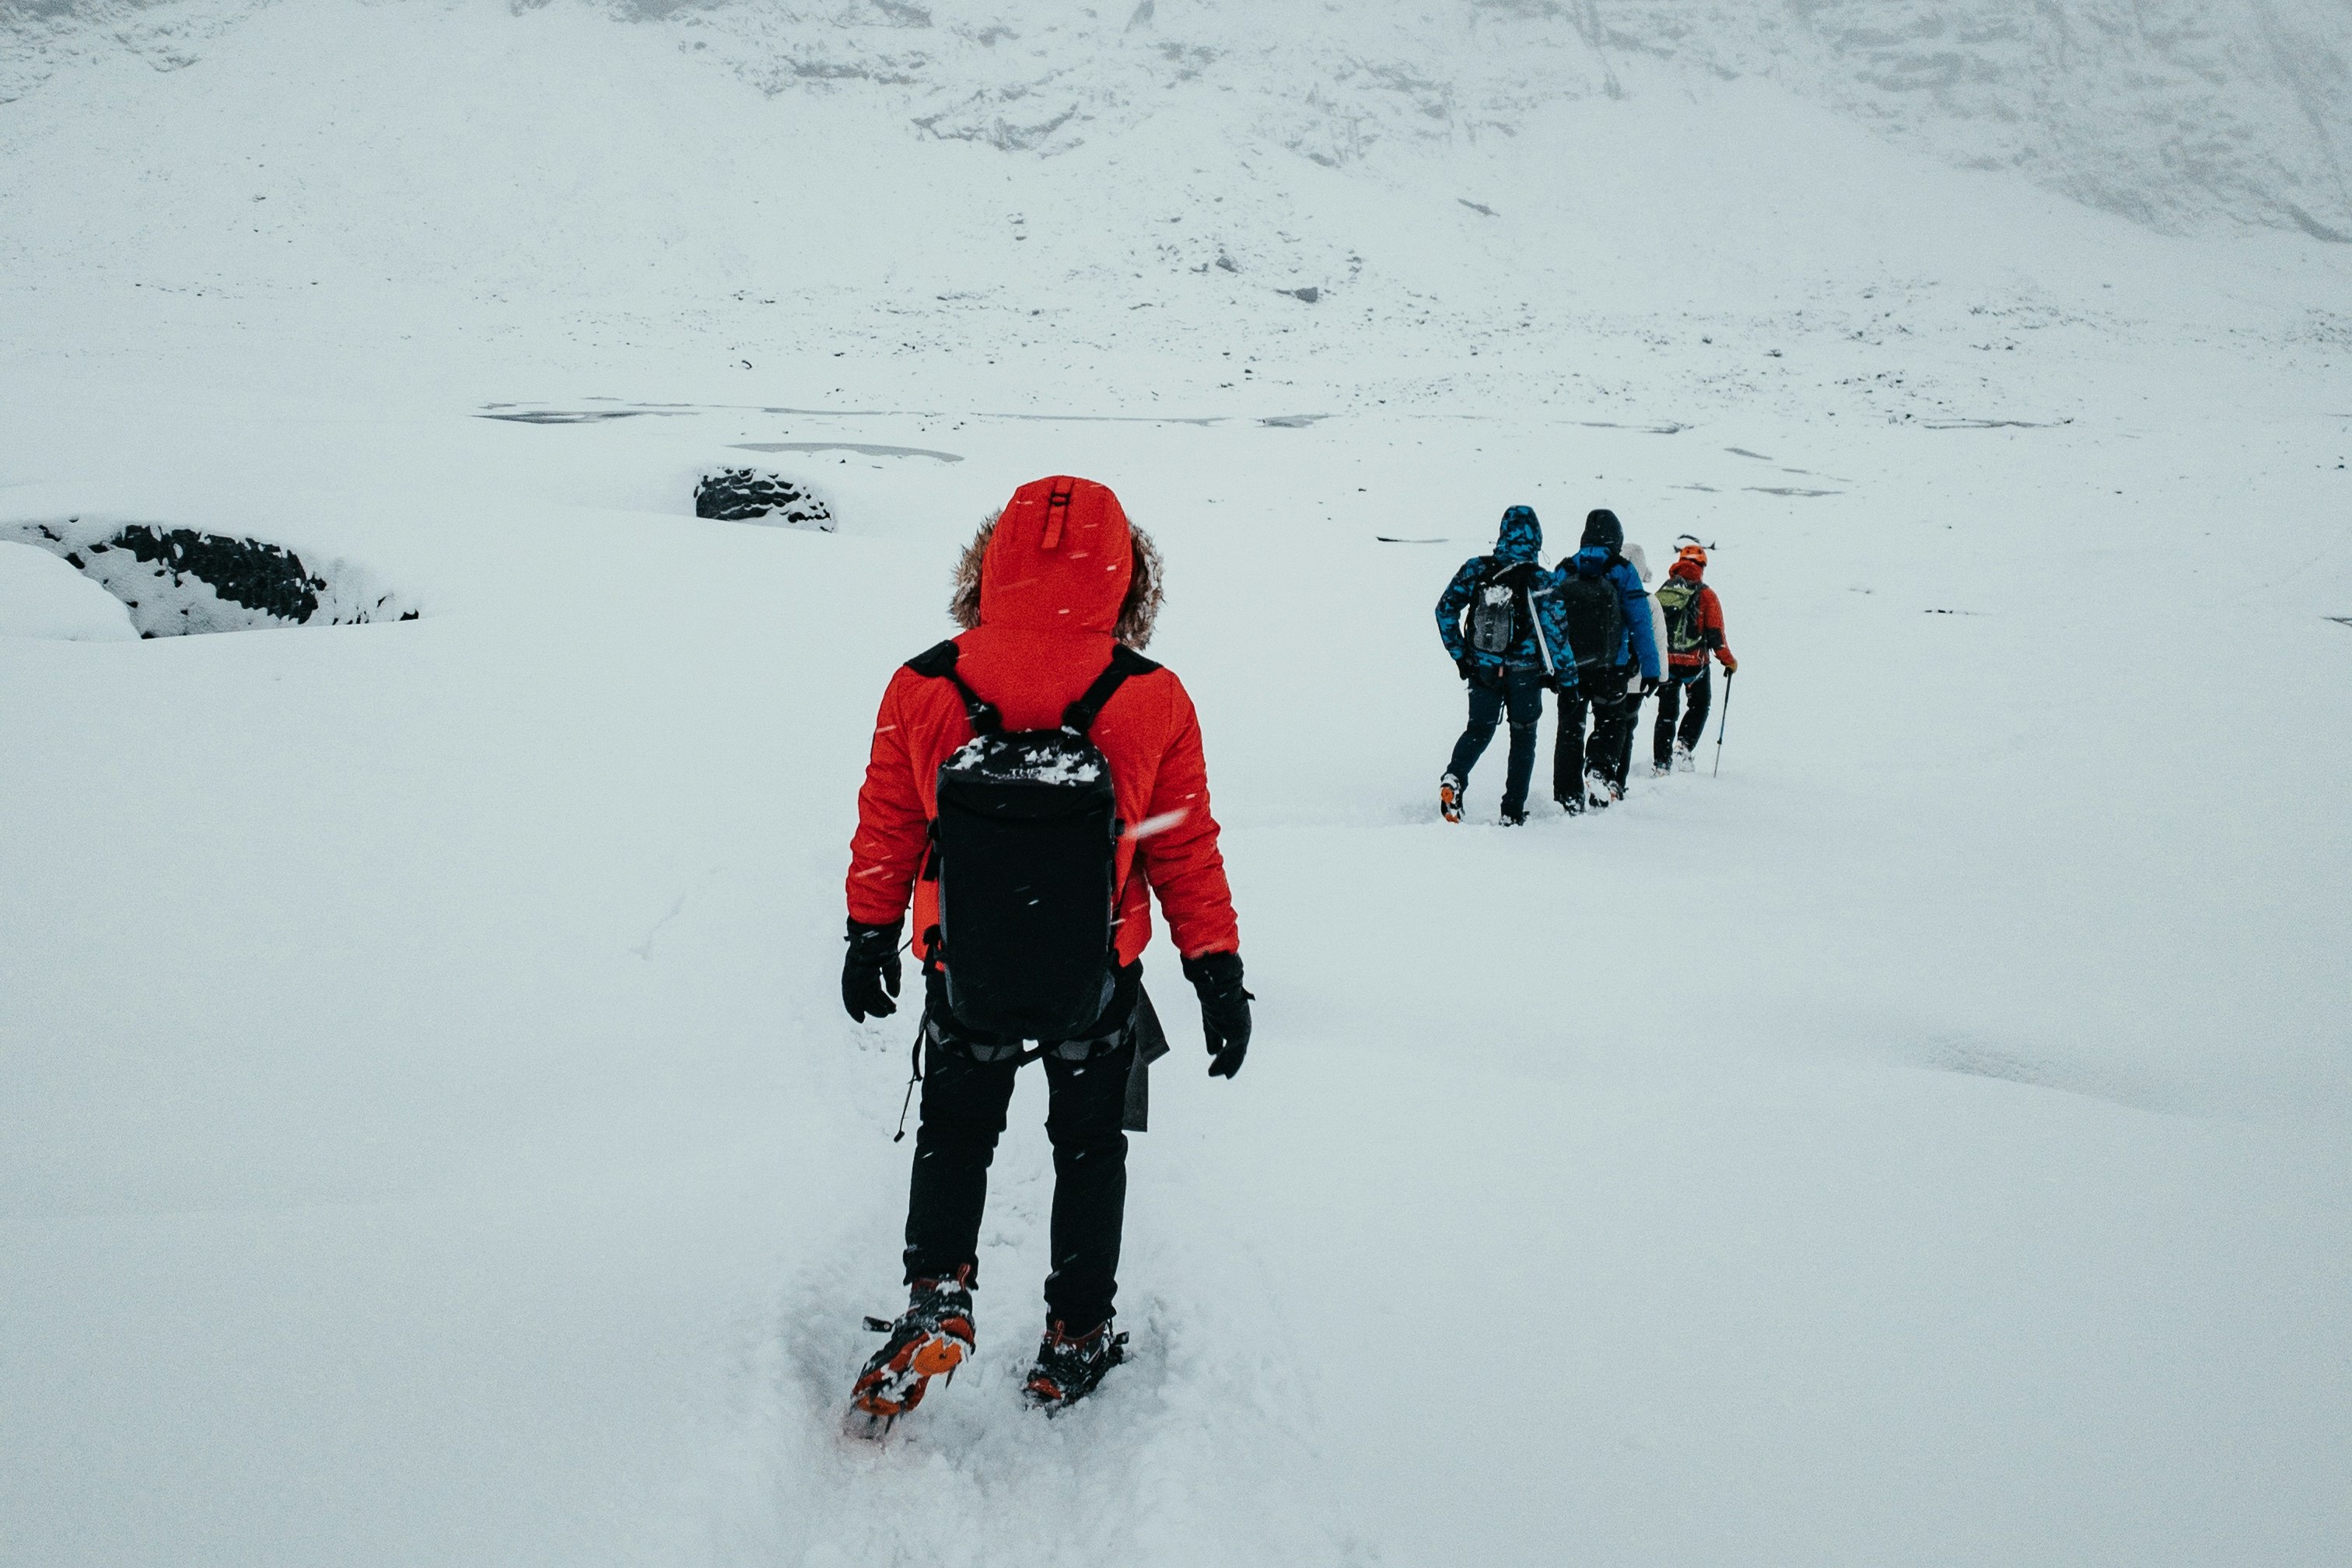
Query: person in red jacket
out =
(1049, 589)
(1694, 618)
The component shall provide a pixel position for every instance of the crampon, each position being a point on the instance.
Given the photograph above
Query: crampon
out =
(930, 1339)
(1070, 1365)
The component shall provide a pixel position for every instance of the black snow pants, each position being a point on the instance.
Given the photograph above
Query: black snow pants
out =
(1606, 751)
(966, 1085)
(1519, 692)
(1693, 722)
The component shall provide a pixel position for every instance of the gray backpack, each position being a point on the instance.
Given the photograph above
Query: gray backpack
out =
(1496, 607)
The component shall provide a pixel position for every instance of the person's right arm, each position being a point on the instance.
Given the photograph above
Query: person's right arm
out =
(1636, 601)
(1188, 871)
(1552, 625)
(1710, 631)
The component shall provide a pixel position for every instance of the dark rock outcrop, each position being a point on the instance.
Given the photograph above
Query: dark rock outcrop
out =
(747, 495)
(177, 581)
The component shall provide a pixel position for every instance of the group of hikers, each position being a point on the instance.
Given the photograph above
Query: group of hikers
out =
(1036, 781)
(1589, 631)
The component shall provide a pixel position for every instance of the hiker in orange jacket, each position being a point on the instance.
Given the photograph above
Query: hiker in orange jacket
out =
(1694, 630)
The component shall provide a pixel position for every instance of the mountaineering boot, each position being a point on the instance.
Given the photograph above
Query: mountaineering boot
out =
(932, 1336)
(1514, 818)
(1683, 762)
(1070, 1365)
(1449, 798)
(1598, 791)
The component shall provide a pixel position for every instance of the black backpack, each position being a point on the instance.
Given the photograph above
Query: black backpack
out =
(1678, 598)
(1495, 620)
(1024, 852)
(1596, 616)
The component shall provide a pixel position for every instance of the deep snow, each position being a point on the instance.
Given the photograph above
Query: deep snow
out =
(429, 1131)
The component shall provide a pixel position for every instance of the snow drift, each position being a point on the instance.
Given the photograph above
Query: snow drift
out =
(42, 597)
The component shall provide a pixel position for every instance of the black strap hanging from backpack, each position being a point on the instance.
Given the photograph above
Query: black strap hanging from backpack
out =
(1024, 850)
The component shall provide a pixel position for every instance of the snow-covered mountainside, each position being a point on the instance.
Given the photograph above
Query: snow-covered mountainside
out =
(2180, 113)
(429, 1132)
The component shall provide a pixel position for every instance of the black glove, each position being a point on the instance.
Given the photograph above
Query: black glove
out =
(869, 976)
(1649, 687)
(1224, 1010)
(1466, 668)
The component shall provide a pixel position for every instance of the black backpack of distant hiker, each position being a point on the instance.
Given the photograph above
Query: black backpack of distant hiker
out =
(1596, 617)
(1497, 605)
(1678, 599)
(1024, 852)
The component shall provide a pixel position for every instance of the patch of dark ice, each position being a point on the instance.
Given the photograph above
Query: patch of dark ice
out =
(863, 449)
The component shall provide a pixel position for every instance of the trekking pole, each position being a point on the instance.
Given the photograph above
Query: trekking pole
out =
(1721, 720)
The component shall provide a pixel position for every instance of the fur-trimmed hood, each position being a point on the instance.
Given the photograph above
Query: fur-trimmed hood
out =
(1047, 573)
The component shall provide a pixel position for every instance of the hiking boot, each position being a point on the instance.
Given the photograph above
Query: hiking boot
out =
(1449, 798)
(1569, 805)
(1598, 791)
(1514, 818)
(1070, 1365)
(1660, 770)
(932, 1337)
(1683, 762)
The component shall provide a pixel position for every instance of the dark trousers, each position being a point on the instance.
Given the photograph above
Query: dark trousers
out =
(963, 1107)
(1693, 722)
(1521, 692)
(1606, 752)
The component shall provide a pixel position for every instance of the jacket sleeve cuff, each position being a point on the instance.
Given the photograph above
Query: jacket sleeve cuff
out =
(863, 933)
(1213, 968)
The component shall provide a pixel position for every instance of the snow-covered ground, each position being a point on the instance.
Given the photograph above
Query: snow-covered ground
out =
(428, 1130)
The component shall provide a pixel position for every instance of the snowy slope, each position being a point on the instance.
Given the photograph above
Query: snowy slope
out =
(2180, 113)
(428, 1132)
(41, 596)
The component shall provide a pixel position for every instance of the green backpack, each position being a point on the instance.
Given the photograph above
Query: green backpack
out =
(1679, 599)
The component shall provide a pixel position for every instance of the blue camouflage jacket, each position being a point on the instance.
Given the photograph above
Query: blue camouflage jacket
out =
(1639, 640)
(1542, 646)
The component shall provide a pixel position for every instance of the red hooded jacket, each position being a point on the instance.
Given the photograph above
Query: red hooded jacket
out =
(1050, 586)
(1710, 622)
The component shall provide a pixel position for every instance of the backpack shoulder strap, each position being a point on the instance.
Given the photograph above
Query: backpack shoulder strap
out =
(1079, 717)
(939, 663)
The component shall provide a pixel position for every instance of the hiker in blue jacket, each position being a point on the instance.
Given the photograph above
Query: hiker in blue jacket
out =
(1502, 629)
(1607, 614)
